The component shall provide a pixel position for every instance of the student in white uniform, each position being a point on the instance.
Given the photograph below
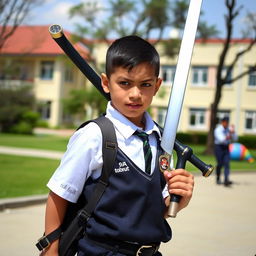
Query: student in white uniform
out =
(131, 212)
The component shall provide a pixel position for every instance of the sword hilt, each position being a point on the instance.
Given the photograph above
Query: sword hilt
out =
(184, 154)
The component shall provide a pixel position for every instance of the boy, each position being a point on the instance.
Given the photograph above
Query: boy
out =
(131, 212)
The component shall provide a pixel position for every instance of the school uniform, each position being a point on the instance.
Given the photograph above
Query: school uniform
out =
(130, 212)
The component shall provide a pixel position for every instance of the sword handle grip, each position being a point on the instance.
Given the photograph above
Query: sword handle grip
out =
(182, 155)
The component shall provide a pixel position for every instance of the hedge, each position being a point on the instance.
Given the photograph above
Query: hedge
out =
(200, 138)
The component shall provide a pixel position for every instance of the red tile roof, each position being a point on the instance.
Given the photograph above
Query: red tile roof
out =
(36, 40)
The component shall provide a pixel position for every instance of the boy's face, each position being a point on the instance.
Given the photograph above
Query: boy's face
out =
(132, 91)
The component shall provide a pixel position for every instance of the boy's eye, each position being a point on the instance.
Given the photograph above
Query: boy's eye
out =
(124, 83)
(146, 85)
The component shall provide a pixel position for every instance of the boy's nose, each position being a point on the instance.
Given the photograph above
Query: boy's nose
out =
(135, 92)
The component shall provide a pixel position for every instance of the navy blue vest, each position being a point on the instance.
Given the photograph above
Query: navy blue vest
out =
(132, 206)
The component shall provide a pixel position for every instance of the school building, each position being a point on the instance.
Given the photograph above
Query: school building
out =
(42, 64)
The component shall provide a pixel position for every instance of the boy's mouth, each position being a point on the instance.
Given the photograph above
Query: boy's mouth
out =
(134, 105)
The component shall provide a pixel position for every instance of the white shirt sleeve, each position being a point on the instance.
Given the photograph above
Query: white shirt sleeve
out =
(219, 135)
(82, 159)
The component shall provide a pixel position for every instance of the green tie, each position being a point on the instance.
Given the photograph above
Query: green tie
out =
(147, 150)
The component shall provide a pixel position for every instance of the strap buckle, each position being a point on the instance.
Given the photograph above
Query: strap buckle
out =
(43, 243)
(143, 250)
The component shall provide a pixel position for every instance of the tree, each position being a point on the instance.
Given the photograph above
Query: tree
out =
(75, 103)
(223, 77)
(12, 14)
(146, 18)
(15, 110)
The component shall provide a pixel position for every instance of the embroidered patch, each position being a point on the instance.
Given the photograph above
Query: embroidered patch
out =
(123, 167)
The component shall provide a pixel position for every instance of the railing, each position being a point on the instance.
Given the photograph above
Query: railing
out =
(15, 83)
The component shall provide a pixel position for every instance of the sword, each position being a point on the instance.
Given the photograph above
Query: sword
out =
(177, 96)
(184, 153)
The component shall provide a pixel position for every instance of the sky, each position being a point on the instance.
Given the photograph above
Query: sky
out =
(56, 12)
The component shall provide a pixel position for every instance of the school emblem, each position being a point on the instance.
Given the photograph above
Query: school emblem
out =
(164, 163)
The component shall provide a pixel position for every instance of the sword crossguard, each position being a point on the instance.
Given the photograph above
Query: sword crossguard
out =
(184, 154)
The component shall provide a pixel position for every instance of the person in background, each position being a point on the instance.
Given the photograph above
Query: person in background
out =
(223, 136)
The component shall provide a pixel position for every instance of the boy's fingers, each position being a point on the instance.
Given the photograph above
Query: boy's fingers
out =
(180, 172)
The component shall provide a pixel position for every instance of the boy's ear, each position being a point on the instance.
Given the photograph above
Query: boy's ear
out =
(105, 83)
(158, 84)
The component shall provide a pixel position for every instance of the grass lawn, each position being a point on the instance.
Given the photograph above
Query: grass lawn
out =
(234, 165)
(34, 141)
(21, 176)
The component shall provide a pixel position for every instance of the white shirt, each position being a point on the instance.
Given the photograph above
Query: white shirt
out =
(83, 157)
(220, 135)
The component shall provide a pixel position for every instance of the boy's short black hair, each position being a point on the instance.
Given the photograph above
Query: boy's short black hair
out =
(128, 52)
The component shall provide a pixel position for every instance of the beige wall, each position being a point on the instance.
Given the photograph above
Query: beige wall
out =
(236, 98)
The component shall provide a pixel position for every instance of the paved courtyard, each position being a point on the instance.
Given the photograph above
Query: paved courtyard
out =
(219, 221)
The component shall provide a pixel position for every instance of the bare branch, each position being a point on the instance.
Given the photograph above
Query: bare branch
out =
(246, 72)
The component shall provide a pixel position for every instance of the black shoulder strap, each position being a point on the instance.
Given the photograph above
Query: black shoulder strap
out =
(75, 229)
(109, 150)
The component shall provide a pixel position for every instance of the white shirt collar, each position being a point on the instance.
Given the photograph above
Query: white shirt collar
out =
(125, 126)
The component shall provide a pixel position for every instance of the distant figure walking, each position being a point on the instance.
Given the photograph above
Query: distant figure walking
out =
(223, 136)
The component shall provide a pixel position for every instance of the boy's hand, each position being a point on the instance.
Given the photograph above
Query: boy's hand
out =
(180, 182)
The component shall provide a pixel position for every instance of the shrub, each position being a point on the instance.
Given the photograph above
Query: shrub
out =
(248, 140)
(30, 117)
(22, 127)
(15, 110)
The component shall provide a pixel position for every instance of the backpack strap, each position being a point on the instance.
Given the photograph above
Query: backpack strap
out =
(76, 227)
(109, 151)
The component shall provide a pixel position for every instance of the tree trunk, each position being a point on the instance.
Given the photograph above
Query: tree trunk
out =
(220, 80)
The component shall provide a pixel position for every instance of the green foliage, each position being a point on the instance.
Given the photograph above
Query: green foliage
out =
(192, 138)
(118, 14)
(22, 127)
(75, 104)
(171, 46)
(15, 110)
(42, 123)
(248, 140)
(138, 17)
(200, 139)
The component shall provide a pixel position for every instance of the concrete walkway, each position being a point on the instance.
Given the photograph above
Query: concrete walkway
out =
(219, 221)
(31, 152)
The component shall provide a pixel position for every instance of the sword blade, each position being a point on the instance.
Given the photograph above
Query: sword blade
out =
(180, 78)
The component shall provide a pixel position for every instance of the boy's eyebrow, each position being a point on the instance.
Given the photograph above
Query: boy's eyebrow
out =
(128, 79)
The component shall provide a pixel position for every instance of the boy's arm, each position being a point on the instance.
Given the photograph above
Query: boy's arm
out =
(54, 215)
(180, 182)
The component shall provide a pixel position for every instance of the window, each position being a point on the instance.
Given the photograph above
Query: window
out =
(199, 76)
(252, 78)
(250, 121)
(46, 71)
(68, 75)
(161, 114)
(44, 108)
(168, 73)
(197, 118)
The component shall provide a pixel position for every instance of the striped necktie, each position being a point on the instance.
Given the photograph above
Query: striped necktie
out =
(147, 150)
